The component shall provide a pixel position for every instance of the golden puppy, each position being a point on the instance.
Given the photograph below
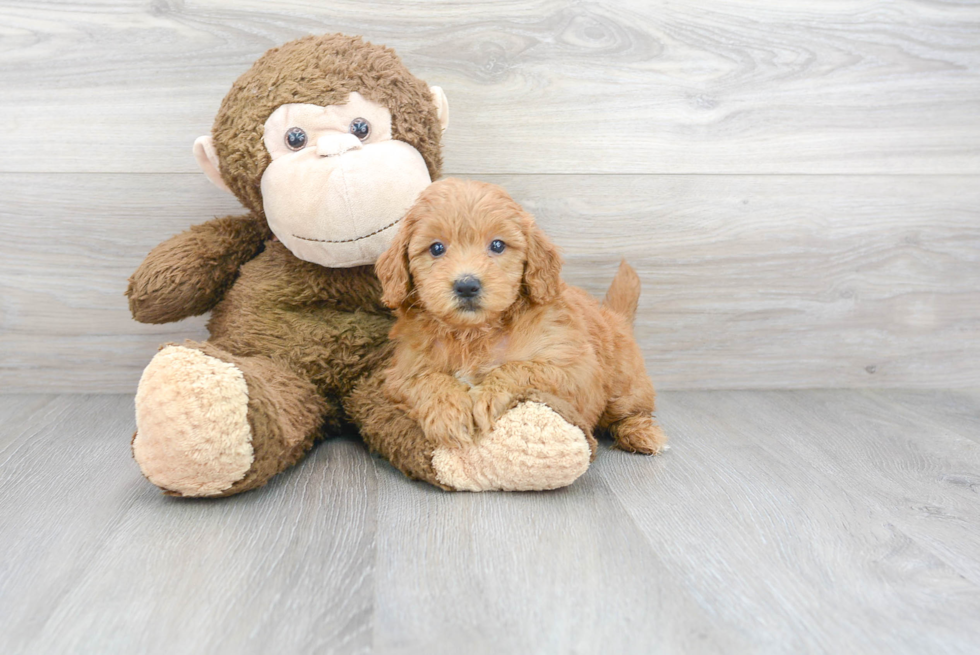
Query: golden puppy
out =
(484, 318)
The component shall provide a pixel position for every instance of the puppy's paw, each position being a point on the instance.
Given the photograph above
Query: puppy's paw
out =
(450, 426)
(639, 434)
(489, 404)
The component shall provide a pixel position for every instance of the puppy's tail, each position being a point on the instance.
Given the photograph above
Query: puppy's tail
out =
(624, 292)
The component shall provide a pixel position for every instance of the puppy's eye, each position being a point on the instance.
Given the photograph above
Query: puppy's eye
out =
(360, 128)
(497, 246)
(437, 249)
(295, 138)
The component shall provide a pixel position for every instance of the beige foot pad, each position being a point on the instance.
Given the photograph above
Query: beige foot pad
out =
(531, 448)
(192, 430)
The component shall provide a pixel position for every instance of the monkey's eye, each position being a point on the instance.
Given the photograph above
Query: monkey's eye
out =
(360, 128)
(295, 138)
(497, 246)
(437, 249)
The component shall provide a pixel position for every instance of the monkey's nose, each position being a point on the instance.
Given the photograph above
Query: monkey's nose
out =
(331, 145)
(467, 287)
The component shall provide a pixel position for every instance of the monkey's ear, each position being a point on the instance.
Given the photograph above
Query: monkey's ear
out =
(542, 270)
(392, 268)
(207, 158)
(442, 105)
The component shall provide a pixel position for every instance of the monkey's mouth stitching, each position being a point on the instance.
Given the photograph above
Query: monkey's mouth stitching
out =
(378, 231)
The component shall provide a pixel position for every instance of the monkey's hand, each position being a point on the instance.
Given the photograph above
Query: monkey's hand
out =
(188, 274)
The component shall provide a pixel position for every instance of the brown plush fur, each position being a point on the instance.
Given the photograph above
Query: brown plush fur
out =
(187, 274)
(310, 341)
(283, 407)
(459, 364)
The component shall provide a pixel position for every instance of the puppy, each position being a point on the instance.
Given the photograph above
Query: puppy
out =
(485, 321)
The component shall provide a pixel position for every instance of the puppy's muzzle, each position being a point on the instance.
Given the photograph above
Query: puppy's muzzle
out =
(467, 289)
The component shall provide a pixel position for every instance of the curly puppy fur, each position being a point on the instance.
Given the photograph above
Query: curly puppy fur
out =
(478, 328)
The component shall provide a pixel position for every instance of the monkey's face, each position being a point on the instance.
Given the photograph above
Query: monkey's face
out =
(338, 184)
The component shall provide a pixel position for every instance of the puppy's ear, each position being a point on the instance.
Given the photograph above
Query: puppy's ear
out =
(542, 270)
(392, 266)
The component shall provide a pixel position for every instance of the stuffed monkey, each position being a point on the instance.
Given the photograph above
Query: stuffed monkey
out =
(326, 141)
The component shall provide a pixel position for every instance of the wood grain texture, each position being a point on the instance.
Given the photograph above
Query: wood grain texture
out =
(749, 281)
(66, 481)
(206, 577)
(558, 572)
(632, 86)
(815, 519)
(97, 560)
(745, 156)
(958, 409)
(806, 521)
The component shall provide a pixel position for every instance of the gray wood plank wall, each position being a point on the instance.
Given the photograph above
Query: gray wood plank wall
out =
(798, 183)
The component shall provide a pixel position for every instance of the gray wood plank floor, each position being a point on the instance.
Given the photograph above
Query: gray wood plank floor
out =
(780, 521)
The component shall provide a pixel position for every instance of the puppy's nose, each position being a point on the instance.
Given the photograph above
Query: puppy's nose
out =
(467, 287)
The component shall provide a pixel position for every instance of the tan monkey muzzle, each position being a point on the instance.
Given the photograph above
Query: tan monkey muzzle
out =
(338, 204)
(338, 183)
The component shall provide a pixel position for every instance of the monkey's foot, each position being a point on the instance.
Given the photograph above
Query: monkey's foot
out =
(531, 448)
(193, 436)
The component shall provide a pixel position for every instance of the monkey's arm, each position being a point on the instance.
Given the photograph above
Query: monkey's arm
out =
(188, 274)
